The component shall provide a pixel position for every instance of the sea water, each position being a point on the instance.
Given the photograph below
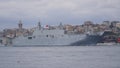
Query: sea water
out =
(60, 57)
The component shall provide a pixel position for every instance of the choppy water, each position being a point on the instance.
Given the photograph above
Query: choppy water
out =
(60, 57)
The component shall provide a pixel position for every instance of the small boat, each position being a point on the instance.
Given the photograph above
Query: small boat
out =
(110, 43)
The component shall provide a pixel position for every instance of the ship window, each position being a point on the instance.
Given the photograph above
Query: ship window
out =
(29, 37)
(0, 41)
(33, 36)
(46, 35)
(52, 36)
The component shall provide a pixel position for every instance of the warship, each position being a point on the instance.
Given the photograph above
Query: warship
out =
(48, 37)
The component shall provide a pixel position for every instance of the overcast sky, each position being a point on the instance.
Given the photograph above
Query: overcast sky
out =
(53, 12)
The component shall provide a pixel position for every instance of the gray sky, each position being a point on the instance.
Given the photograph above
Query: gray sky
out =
(54, 11)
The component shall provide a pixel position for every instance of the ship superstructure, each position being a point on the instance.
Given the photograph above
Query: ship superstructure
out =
(46, 36)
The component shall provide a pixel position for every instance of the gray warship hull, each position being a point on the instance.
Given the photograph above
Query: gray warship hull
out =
(48, 38)
(48, 41)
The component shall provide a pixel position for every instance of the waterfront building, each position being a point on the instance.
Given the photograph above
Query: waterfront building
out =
(88, 26)
(113, 26)
(80, 29)
(69, 27)
(118, 25)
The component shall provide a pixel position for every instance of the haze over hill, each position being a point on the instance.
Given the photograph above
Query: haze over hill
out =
(54, 11)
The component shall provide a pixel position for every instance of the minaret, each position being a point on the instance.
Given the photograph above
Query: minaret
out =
(20, 24)
(39, 25)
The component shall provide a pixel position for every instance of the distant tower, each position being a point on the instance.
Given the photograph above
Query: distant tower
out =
(60, 25)
(20, 24)
(39, 25)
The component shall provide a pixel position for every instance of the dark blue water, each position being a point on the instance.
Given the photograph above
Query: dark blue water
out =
(60, 57)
